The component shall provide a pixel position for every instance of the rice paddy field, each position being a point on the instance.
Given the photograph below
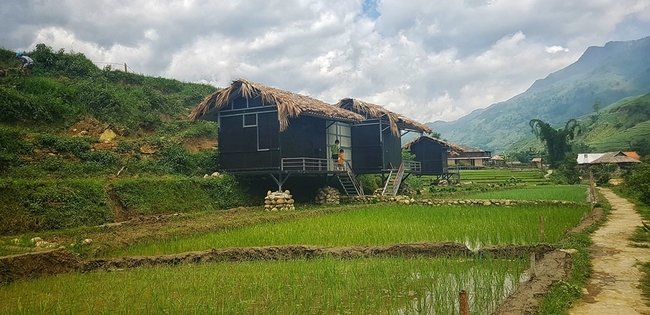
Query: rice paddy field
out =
(393, 285)
(557, 192)
(532, 176)
(321, 286)
(389, 224)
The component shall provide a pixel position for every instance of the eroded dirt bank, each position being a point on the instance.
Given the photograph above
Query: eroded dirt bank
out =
(613, 287)
(552, 267)
(53, 262)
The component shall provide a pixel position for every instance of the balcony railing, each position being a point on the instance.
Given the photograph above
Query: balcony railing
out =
(306, 164)
(412, 166)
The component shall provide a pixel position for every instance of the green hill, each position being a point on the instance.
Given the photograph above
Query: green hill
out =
(624, 125)
(81, 145)
(52, 121)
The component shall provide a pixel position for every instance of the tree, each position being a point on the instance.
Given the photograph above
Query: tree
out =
(638, 180)
(556, 141)
(596, 108)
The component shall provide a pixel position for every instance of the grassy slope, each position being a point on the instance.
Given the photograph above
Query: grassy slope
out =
(56, 172)
(52, 120)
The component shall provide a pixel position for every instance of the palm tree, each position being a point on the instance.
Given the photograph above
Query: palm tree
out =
(556, 141)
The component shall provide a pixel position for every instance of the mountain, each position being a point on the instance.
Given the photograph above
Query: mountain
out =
(605, 74)
(622, 126)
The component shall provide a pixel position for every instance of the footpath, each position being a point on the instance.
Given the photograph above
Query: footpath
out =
(613, 287)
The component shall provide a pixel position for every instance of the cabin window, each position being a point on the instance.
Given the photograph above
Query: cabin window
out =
(267, 131)
(250, 120)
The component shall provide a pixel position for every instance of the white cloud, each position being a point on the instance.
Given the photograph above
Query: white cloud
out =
(426, 60)
(556, 49)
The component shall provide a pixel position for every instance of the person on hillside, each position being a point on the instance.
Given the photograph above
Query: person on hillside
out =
(340, 161)
(335, 150)
(27, 63)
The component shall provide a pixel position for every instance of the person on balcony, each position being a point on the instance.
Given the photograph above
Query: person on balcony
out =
(335, 150)
(341, 160)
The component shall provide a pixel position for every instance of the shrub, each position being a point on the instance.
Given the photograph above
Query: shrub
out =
(181, 194)
(566, 172)
(602, 173)
(47, 205)
(126, 147)
(177, 160)
(638, 181)
(370, 183)
(73, 145)
(103, 157)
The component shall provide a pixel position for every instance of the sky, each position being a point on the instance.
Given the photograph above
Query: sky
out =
(425, 59)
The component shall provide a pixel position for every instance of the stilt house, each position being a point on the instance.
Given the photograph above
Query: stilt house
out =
(264, 130)
(376, 141)
(433, 153)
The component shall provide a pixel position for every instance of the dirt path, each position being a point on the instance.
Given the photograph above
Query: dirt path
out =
(613, 286)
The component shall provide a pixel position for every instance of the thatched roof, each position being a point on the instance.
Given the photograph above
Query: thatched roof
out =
(395, 120)
(449, 145)
(614, 158)
(289, 104)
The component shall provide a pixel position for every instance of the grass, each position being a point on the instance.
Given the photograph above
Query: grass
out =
(381, 225)
(501, 175)
(320, 286)
(550, 192)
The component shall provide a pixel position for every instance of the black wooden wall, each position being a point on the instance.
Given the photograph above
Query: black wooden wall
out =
(432, 155)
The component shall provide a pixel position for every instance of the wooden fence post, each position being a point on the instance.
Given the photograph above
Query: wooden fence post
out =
(541, 229)
(532, 264)
(464, 305)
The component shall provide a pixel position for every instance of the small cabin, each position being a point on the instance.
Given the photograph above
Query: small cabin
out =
(431, 152)
(264, 130)
(376, 140)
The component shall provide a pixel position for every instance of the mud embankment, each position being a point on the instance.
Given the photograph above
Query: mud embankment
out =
(58, 261)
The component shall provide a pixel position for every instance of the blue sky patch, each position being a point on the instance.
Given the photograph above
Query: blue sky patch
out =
(370, 9)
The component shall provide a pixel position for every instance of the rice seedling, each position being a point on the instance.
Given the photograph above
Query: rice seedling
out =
(498, 176)
(476, 226)
(320, 286)
(560, 192)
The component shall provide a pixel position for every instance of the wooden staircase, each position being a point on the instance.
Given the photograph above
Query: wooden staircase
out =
(393, 181)
(349, 181)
